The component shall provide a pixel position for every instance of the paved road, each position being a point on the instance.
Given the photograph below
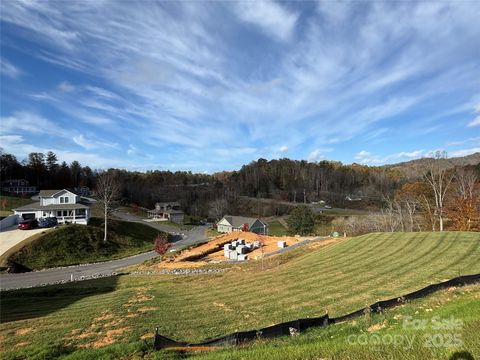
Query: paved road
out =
(37, 278)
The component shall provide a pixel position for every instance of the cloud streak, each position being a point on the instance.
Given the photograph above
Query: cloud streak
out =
(246, 75)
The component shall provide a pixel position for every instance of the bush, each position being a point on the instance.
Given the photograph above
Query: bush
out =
(301, 220)
(161, 243)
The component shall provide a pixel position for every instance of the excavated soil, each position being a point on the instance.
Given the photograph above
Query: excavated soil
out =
(212, 252)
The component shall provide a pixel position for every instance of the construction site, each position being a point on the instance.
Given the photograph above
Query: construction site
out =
(247, 246)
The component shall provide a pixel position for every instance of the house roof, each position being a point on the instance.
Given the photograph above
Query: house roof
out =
(238, 221)
(155, 211)
(171, 203)
(12, 181)
(36, 207)
(174, 212)
(50, 193)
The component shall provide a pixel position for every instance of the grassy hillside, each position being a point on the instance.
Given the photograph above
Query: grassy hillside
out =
(347, 340)
(8, 202)
(338, 278)
(76, 244)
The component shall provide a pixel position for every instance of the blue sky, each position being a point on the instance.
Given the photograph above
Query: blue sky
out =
(209, 86)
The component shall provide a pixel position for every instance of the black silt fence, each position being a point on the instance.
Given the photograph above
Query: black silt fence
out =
(299, 325)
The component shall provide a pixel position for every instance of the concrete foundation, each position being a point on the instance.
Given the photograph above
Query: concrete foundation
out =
(282, 244)
(242, 257)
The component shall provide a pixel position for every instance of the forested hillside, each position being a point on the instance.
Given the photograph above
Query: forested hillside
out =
(400, 189)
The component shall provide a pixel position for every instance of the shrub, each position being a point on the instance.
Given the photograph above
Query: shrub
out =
(301, 220)
(161, 243)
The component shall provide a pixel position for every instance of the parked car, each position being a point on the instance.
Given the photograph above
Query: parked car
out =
(28, 224)
(47, 222)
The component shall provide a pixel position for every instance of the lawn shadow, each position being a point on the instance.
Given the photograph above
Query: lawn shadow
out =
(37, 302)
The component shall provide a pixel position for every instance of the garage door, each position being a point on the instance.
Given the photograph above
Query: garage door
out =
(28, 216)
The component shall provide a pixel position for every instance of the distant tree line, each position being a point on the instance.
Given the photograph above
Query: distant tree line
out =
(45, 171)
(409, 199)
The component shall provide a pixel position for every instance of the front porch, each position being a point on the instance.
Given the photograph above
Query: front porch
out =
(158, 215)
(70, 216)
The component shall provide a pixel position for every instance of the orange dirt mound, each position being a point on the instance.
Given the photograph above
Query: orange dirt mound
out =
(213, 250)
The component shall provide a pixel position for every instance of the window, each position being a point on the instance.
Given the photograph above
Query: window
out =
(65, 213)
(64, 200)
(44, 214)
(59, 213)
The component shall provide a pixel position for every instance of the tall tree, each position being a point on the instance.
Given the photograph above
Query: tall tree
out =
(218, 209)
(107, 190)
(439, 177)
(36, 162)
(10, 167)
(466, 179)
(76, 170)
(51, 162)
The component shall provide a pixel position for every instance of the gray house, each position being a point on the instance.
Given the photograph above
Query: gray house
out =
(167, 211)
(241, 223)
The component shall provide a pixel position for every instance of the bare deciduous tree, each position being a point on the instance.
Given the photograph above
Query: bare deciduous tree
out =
(439, 177)
(107, 190)
(465, 180)
(218, 208)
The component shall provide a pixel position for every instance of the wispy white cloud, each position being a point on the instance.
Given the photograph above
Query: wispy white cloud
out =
(465, 141)
(187, 84)
(23, 121)
(283, 148)
(8, 69)
(464, 152)
(92, 143)
(65, 86)
(271, 17)
(474, 122)
(366, 157)
(18, 145)
(134, 151)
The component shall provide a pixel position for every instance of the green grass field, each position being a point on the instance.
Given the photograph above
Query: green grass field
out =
(275, 228)
(77, 244)
(389, 335)
(8, 202)
(117, 312)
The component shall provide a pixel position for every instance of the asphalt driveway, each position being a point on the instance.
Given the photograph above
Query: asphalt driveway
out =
(11, 236)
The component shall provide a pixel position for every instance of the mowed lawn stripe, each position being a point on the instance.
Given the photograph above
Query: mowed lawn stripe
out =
(339, 278)
(339, 271)
(339, 290)
(420, 256)
(302, 276)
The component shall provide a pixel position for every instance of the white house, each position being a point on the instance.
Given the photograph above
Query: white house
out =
(241, 223)
(65, 205)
